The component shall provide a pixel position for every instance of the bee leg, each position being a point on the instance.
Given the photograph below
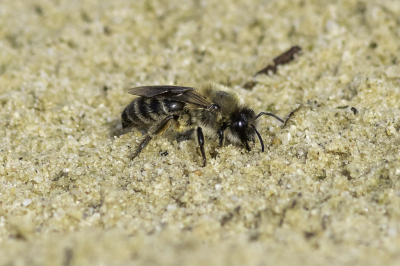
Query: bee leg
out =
(158, 129)
(200, 139)
(221, 137)
(142, 145)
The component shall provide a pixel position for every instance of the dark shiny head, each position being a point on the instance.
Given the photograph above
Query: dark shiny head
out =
(241, 126)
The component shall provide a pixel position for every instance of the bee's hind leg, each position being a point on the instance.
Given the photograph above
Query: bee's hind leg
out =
(157, 129)
(200, 139)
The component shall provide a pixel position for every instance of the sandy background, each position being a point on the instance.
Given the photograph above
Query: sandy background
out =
(325, 192)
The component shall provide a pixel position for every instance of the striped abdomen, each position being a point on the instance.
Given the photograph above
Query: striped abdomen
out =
(144, 112)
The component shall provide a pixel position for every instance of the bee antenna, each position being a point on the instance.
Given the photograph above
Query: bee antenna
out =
(259, 137)
(270, 114)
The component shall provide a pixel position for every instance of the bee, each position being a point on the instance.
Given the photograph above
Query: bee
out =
(212, 110)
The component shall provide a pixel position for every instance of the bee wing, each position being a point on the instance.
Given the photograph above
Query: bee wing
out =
(153, 91)
(177, 93)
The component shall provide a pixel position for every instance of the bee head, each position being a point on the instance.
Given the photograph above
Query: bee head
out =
(242, 126)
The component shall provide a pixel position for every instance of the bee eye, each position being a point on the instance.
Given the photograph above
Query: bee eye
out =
(239, 122)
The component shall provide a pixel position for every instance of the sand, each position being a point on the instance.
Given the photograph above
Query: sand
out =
(325, 192)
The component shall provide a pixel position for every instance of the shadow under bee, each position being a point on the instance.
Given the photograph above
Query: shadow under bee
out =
(115, 129)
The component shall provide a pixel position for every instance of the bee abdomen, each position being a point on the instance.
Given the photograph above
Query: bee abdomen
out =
(146, 111)
(129, 117)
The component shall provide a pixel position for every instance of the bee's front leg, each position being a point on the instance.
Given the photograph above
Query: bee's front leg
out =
(221, 137)
(220, 133)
